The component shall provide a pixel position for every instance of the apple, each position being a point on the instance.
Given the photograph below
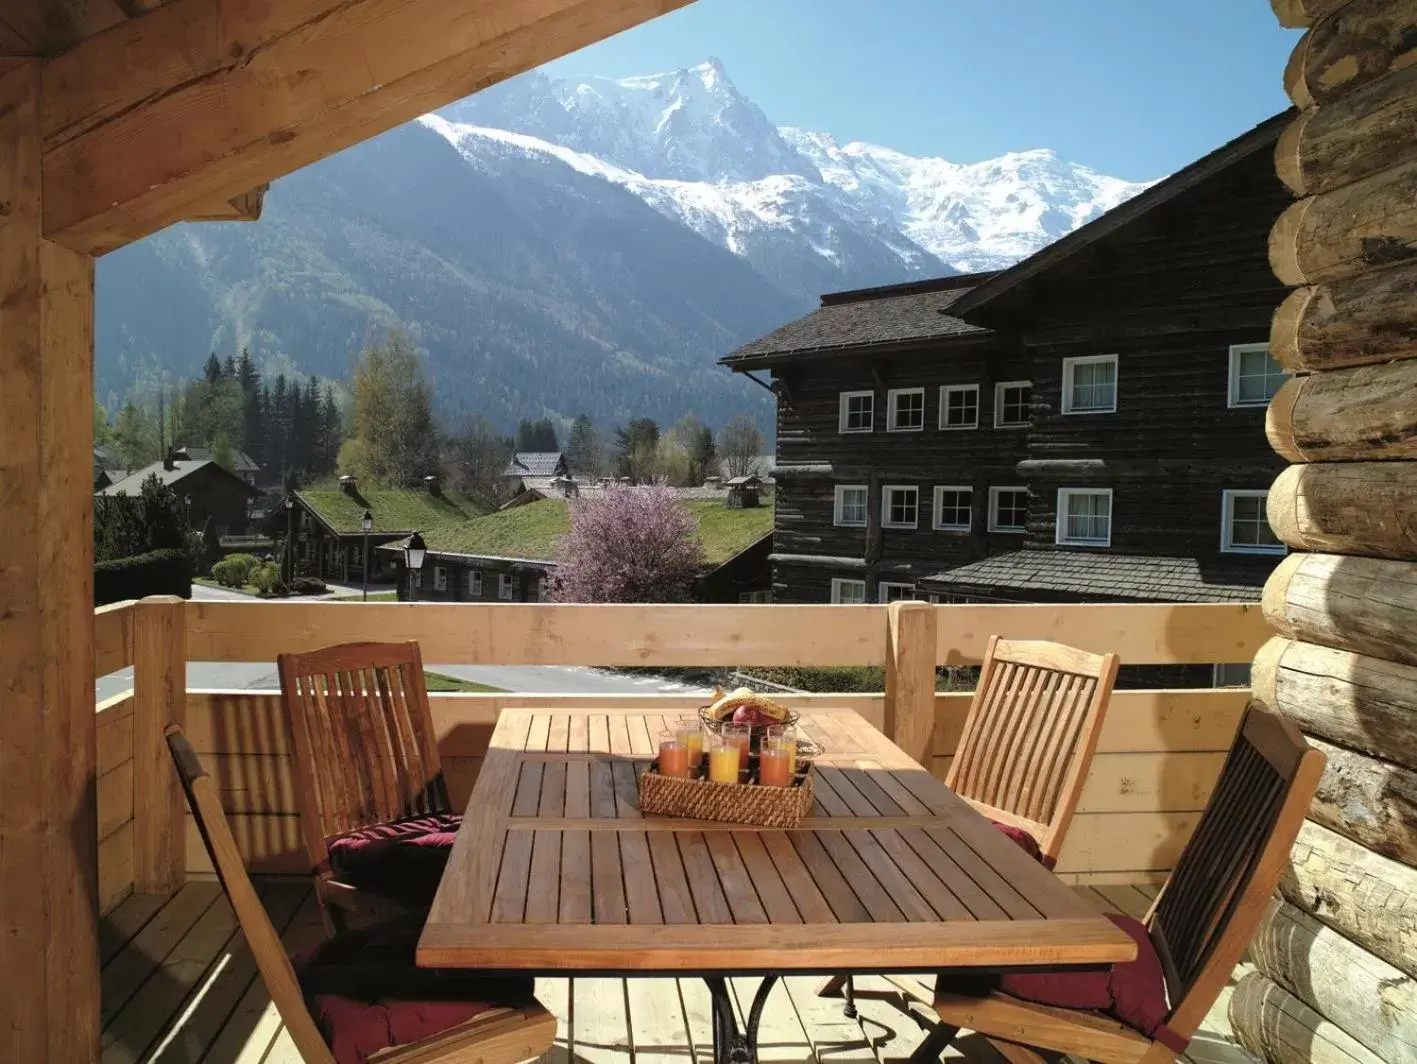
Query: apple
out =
(749, 715)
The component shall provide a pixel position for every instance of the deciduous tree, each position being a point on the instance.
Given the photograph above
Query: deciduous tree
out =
(739, 445)
(629, 544)
(392, 439)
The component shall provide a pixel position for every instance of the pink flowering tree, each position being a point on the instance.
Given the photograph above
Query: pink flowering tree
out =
(637, 544)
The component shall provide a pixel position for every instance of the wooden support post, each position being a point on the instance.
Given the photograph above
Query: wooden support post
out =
(49, 982)
(159, 699)
(910, 677)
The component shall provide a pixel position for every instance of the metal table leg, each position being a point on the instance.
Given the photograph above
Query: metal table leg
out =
(730, 1046)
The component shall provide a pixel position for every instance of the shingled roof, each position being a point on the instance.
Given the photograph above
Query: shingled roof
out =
(1090, 576)
(870, 317)
(181, 469)
(535, 464)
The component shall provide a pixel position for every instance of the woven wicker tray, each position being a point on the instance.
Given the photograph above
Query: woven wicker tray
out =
(733, 803)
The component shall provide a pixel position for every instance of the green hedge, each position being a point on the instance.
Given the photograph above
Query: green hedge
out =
(159, 572)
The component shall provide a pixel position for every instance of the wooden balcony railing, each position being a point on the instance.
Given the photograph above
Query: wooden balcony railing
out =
(1158, 756)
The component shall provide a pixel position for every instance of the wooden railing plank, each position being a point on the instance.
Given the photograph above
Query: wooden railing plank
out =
(159, 690)
(113, 637)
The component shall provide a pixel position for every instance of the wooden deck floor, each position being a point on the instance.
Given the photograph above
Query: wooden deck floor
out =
(180, 987)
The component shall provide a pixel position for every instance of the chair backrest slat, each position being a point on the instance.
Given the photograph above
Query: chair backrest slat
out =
(1210, 907)
(1031, 732)
(362, 735)
(261, 937)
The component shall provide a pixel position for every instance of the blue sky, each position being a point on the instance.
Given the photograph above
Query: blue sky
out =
(1134, 88)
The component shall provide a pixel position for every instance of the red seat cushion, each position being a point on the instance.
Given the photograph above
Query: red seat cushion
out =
(1133, 993)
(366, 995)
(402, 859)
(1026, 842)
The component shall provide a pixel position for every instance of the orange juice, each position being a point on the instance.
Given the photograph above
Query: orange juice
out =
(673, 759)
(692, 736)
(774, 767)
(741, 736)
(723, 764)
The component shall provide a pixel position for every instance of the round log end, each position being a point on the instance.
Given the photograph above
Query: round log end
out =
(1284, 329)
(1279, 420)
(1282, 506)
(1290, 13)
(1296, 84)
(1284, 243)
(1274, 601)
(1264, 672)
(1288, 163)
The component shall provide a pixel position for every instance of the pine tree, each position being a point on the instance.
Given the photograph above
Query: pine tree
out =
(252, 434)
(584, 453)
(538, 435)
(228, 368)
(135, 436)
(330, 432)
(211, 369)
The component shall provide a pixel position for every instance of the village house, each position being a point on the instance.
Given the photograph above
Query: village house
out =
(533, 471)
(1085, 426)
(509, 555)
(326, 525)
(207, 490)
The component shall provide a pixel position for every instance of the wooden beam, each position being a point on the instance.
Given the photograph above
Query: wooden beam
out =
(1299, 13)
(1352, 322)
(1366, 412)
(243, 208)
(49, 986)
(203, 99)
(50, 26)
(1366, 605)
(159, 699)
(1367, 508)
(1359, 42)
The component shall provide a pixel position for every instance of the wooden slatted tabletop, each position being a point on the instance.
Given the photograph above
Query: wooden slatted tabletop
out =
(555, 868)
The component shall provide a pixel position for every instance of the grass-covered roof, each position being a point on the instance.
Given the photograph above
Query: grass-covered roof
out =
(533, 531)
(394, 510)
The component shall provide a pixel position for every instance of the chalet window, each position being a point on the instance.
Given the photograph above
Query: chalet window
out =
(887, 592)
(474, 583)
(418, 578)
(942, 598)
(959, 406)
(848, 592)
(1254, 376)
(952, 508)
(857, 412)
(849, 509)
(900, 506)
(506, 586)
(1090, 385)
(1244, 527)
(1008, 509)
(754, 598)
(440, 578)
(1085, 517)
(1011, 403)
(905, 410)
(1233, 675)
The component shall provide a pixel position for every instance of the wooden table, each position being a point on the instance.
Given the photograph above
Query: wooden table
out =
(556, 870)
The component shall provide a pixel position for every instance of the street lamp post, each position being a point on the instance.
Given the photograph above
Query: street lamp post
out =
(367, 524)
(413, 553)
(289, 535)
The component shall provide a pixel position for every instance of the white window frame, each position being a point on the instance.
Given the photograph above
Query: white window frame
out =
(839, 505)
(841, 410)
(994, 494)
(473, 582)
(1219, 677)
(506, 589)
(1227, 520)
(440, 578)
(940, 490)
(755, 598)
(1070, 366)
(999, 389)
(1232, 377)
(839, 582)
(892, 400)
(885, 585)
(886, 505)
(1064, 495)
(946, 390)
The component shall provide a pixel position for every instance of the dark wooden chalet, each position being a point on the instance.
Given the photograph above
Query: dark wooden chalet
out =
(509, 555)
(930, 435)
(208, 491)
(325, 525)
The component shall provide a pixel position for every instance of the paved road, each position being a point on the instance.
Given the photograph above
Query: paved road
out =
(538, 679)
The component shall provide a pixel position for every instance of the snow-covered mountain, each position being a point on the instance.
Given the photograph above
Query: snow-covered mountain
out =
(693, 147)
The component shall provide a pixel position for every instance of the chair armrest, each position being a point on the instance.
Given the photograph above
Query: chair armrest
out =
(499, 1036)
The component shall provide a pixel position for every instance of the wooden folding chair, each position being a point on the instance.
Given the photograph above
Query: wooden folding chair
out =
(1027, 744)
(1200, 924)
(364, 754)
(497, 1036)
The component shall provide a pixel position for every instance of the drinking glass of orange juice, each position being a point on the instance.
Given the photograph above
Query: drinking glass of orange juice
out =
(740, 735)
(673, 755)
(691, 734)
(774, 766)
(724, 759)
(783, 737)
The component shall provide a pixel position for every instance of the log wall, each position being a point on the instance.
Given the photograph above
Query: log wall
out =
(1335, 959)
